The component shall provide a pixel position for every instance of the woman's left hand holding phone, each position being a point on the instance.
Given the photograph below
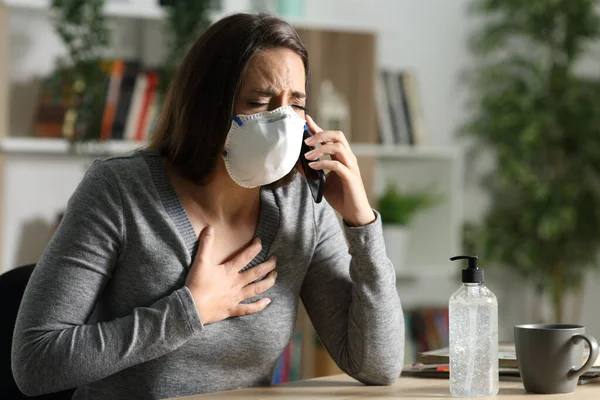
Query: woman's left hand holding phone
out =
(344, 190)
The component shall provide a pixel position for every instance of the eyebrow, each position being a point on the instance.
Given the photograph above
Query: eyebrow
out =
(269, 92)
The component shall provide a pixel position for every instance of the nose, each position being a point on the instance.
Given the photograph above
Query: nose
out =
(281, 100)
(284, 98)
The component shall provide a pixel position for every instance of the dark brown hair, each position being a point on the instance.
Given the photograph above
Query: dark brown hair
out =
(198, 107)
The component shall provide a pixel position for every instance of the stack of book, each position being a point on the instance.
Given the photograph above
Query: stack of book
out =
(289, 365)
(128, 110)
(436, 364)
(426, 329)
(400, 116)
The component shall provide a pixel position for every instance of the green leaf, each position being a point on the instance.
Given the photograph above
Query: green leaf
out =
(186, 21)
(539, 118)
(399, 208)
(82, 27)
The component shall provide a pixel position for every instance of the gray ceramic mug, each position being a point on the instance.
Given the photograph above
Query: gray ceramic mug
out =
(550, 356)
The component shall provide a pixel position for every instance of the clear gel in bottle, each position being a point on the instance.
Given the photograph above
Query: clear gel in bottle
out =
(473, 320)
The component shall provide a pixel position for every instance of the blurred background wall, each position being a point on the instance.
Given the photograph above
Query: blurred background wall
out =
(427, 39)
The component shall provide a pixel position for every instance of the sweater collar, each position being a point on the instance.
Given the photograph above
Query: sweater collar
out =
(268, 221)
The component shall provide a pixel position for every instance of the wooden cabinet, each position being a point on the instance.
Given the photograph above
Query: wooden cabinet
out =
(346, 59)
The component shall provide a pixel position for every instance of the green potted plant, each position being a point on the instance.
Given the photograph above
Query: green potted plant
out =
(397, 209)
(185, 22)
(82, 27)
(535, 111)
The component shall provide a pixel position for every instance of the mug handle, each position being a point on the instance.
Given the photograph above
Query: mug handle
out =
(593, 343)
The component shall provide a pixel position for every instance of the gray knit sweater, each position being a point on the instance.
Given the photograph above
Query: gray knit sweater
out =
(106, 309)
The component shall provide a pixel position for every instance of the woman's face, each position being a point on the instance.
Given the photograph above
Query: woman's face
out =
(274, 78)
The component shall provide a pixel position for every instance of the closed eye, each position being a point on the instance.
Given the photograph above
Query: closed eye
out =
(256, 104)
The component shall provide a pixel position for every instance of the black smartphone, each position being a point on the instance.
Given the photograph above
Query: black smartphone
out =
(315, 178)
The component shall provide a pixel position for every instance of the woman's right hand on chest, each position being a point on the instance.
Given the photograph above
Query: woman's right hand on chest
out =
(218, 290)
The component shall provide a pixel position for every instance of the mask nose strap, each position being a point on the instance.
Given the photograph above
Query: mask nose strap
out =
(237, 120)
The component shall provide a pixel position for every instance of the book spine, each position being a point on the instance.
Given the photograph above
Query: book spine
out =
(415, 108)
(136, 106)
(125, 97)
(151, 89)
(384, 123)
(112, 99)
(406, 109)
(397, 109)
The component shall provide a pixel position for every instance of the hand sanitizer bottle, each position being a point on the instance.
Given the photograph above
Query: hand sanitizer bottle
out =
(473, 320)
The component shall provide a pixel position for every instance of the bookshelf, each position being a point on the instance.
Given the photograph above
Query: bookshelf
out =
(30, 166)
(48, 146)
(405, 152)
(16, 144)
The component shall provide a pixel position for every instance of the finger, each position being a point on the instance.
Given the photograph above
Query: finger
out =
(252, 274)
(332, 165)
(321, 136)
(242, 259)
(246, 309)
(328, 136)
(337, 150)
(205, 242)
(256, 288)
(312, 125)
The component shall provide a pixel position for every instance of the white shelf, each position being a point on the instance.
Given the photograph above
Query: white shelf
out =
(150, 10)
(124, 9)
(27, 145)
(433, 272)
(406, 152)
(60, 146)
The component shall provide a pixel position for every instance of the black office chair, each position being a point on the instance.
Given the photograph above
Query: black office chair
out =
(12, 287)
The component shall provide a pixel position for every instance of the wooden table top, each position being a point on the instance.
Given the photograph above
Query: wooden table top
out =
(343, 387)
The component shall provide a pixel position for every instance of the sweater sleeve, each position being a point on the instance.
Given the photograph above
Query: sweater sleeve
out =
(350, 295)
(54, 348)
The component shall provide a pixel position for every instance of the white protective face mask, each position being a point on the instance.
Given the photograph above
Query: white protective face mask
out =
(262, 148)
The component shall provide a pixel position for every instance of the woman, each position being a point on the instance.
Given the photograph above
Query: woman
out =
(178, 269)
